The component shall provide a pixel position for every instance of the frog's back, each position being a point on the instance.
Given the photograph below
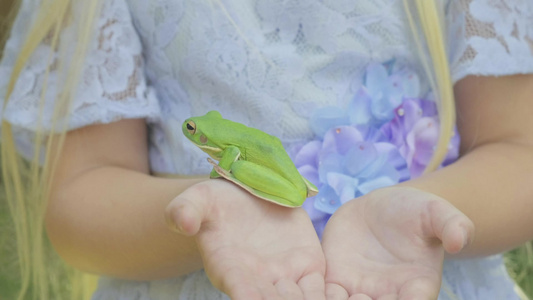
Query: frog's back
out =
(256, 146)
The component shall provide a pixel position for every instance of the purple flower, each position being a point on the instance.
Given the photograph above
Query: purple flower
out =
(415, 131)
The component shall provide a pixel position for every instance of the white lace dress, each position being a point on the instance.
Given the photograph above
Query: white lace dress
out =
(269, 64)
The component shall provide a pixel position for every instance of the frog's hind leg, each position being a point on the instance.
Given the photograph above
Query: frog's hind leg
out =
(227, 175)
(262, 182)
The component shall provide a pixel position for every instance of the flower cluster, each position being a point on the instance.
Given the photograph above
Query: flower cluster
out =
(386, 135)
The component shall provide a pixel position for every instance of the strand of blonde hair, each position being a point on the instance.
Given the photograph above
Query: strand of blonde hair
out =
(440, 79)
(27, 199)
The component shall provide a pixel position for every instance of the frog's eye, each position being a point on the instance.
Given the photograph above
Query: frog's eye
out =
(191, 127)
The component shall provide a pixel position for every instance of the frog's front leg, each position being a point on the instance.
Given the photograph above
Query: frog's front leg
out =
(229, 156)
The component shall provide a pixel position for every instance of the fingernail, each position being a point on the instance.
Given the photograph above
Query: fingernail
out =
(178, 229)
(172, 225)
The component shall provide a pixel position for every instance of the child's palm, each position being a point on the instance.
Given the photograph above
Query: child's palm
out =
(253, 249)
(390, 244)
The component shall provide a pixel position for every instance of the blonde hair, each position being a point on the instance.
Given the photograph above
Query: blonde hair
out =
(436, 68)
(28, 183)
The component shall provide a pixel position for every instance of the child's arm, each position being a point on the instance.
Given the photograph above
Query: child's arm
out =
(492, 183)
(392, 241)
(107, 216)
(106, 213)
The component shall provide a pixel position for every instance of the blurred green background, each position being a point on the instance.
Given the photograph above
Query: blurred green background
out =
(519, 261)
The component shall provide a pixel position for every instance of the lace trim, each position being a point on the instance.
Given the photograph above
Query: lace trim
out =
(112, 84)
(490, 29)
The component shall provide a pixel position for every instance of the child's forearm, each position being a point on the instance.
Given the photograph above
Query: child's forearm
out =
(493, 186)
(116, 225)
(106, 214)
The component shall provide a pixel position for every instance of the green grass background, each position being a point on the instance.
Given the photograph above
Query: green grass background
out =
(8, 258)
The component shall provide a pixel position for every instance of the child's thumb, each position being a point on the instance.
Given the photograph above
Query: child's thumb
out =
(455, 230)
(185, 215)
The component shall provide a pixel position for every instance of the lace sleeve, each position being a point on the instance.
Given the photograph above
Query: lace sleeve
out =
(111, 85)
(490, 37)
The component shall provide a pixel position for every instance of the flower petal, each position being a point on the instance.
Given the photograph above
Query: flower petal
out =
(426, 135)
(359, 107)
(383, 108)
(329, 163)
(314, 214)
(395, 160)
(376, 183)
(341, 139)
(327, 200)
(411, 85)
(344, 186)
(310, 173)
(308, 154)
(374, 168)
(359, 157)
(409, 113)
(376, 80)
(327, 117)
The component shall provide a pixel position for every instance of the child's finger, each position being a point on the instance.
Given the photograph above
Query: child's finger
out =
(313, 286)
(363, 297)
(239, 286)
(289, 290)
(335, 292)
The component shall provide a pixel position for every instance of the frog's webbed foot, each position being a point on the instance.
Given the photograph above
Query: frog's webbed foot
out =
(218, 171)
(214, 174)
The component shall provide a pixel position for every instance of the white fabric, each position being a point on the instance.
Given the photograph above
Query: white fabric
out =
(265, 63)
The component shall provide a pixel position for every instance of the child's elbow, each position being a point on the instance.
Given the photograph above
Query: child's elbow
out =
(67, 230)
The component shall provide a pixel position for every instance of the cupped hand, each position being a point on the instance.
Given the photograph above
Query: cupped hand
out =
(390, 244)
(251, 249)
